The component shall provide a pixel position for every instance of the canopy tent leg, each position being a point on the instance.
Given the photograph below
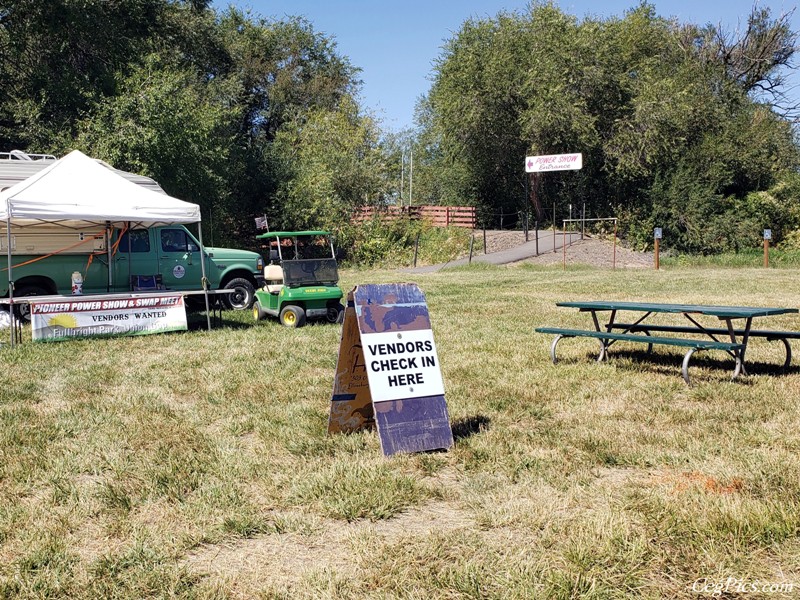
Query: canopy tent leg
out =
(130, 254)
(203, 272)
(13, 328)
(107, 237)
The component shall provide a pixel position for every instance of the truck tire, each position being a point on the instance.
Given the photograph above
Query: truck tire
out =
(293, 316)
(23, 311)
(243, 295)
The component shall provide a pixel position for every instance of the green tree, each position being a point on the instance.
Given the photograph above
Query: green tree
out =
(58, 58)
(474, 133)
(169, 124)
(335, 164)
(670, 117)
(439, 177)
(168, 88)
(285, 71)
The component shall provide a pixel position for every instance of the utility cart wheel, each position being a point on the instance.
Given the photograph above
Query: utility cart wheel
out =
(293, 316)
(258, 312)
(335, 313)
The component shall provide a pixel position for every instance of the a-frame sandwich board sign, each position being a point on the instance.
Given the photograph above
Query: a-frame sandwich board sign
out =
(388, 374)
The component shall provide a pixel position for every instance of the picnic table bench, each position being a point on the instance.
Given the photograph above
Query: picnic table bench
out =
(640, 331)
(770, 336)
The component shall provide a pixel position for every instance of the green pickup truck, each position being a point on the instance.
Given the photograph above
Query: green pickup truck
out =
(167, 256)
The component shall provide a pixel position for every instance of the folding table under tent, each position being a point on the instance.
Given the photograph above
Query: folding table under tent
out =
(77, 192)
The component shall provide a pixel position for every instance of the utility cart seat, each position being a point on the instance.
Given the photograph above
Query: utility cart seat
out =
(273, 275)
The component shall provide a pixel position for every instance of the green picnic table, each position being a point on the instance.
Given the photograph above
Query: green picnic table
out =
(732, 338)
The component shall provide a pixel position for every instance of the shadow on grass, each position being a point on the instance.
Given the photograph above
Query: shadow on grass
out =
(469, 426)
(668, 363)
(198, 322)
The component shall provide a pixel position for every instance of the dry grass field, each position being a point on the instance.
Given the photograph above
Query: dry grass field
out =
(197, 465)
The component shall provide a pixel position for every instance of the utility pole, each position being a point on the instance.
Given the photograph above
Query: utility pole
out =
(402, 174)
(411, 179)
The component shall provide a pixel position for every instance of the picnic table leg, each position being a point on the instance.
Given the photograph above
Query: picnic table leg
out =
(739, 354)
(685, 366)
(603, 350)
(558, 339)
(649, 346)
(553, 348)
(604, 344)
(788, 362)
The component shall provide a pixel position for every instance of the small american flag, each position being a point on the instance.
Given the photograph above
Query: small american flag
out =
(261, 222)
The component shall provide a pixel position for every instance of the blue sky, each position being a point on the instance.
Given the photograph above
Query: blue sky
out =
(395, 43)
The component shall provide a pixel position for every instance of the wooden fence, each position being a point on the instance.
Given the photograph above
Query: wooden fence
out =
(439, 216)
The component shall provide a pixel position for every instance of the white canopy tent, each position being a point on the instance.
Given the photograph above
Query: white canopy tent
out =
(77, 192)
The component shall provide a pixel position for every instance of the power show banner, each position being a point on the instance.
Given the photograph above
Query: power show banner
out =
(388, 371)
(65, 320)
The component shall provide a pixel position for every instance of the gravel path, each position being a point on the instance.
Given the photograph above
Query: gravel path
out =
(597, 253)
(590, 251)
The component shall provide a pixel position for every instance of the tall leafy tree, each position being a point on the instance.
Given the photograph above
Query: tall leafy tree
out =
(653, 105)
(286, 72)
(476, 100)
(439, 177)
(58, 58)
(171, 124)
(336, 166)
(171, 89)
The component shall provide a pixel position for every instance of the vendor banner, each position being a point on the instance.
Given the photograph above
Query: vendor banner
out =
(73, 318)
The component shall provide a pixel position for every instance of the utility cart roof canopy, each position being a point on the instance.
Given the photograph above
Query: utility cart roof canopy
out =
(286, 234)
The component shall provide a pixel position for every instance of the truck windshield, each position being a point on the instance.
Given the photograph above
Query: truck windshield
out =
(297, 273)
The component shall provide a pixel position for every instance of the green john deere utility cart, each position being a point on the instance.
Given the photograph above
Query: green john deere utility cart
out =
(301, 279)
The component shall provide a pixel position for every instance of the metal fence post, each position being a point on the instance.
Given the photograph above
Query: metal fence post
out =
(526, 226)
(614, 260)
(583, 220)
